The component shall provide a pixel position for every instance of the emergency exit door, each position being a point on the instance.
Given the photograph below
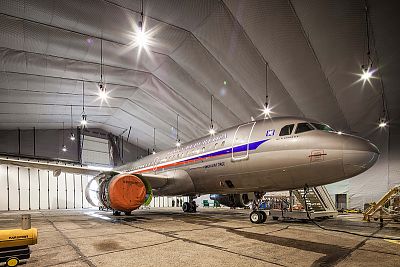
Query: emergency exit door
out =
(241, 139)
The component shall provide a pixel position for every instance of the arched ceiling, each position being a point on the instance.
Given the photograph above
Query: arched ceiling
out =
(197, 48)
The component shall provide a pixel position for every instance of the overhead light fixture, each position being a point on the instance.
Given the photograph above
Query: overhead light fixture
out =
(178, 141)
(211, 131)
(72, 135)
(102, 91)
(366, 67)
(154, 141)
(84, 120)
(102, 87)
(382, 123)
(84, 116)
(339, 133)
(141, 36)
(266, 110)
(64, 147)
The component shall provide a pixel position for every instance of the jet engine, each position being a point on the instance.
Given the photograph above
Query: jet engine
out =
(119, 192)
(234, 200)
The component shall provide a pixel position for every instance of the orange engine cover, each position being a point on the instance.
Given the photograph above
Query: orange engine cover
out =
(126, 192)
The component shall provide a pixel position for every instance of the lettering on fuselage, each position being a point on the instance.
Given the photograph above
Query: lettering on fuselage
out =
(217, 164)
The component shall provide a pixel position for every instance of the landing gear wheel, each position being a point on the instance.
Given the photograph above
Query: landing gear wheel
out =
(264, 216)
(116, 213)
(256, 217)
(186, 207)
(128, 213)
(12, 261)
(189, 207)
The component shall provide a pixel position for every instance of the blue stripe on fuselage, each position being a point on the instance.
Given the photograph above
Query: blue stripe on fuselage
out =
(252, 146)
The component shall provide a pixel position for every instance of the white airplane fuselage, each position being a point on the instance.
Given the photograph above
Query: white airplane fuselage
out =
(256, 156)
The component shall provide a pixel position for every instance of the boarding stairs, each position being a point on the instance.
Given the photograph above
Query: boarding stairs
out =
(317, 202)
(379, 206)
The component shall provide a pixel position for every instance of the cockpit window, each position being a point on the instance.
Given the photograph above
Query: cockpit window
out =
(322, 127)
(286, 130)
(303, 127)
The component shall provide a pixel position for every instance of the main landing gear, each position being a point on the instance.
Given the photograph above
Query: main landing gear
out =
(257, 216)
(189, 206)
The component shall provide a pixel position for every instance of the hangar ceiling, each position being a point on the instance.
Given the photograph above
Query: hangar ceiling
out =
(196, 49)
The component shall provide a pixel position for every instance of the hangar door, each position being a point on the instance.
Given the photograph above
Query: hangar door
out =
(240, 144)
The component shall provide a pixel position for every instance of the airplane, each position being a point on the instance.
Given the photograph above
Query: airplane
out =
(245, 161)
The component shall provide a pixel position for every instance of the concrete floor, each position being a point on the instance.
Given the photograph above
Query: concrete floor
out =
(211, 237)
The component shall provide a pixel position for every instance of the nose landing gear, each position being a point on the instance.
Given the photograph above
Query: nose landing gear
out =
(257, 216)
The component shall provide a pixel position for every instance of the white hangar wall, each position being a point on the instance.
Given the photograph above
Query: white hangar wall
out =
(33, 189)
(375, 182)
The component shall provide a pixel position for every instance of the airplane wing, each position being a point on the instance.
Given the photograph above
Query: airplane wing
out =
(56, 167)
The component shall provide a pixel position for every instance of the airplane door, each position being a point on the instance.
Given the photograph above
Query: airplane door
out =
(240, 144)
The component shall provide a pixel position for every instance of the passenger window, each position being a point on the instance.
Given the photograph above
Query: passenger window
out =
(286, 130)
(303, 127)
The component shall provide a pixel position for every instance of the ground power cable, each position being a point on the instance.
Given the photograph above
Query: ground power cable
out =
(306, 189)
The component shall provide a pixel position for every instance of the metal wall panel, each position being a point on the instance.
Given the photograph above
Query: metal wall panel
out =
(34, 190)
(13, 183)
(70, 190)
(53, 196)
(3, 188)
(24, 185)
(44, 190)
(62, 196)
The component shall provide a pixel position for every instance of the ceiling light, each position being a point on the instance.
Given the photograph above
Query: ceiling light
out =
(339, 133)
(64, 148)
(103, 94)
(141, 38)
(72, 137)
(367, 74)
(211, 131)
(382, 123)
(178, 143)
(225, 82)
(84, 120)
(267, 110)
(154, 152)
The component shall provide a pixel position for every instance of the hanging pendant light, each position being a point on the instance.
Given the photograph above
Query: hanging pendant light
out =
(64, 147)
(154, 141)
(84, 116)
(211, 131)
(72, 135)
(178, 141)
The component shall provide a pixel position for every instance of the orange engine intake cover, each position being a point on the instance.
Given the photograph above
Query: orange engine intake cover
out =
(126, 192)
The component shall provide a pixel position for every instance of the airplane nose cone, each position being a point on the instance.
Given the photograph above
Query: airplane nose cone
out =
(358, 155)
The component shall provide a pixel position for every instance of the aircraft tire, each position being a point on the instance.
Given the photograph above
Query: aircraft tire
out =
(128, 213)
(264, 216)
(116, 213)
(256, 217)
(186, 207)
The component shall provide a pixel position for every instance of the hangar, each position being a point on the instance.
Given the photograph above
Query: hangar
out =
(142, 107)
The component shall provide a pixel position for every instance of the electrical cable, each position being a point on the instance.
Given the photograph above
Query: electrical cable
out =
(306, 189)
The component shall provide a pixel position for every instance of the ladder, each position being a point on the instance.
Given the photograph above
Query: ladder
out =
(316, 200)
(375, 207)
